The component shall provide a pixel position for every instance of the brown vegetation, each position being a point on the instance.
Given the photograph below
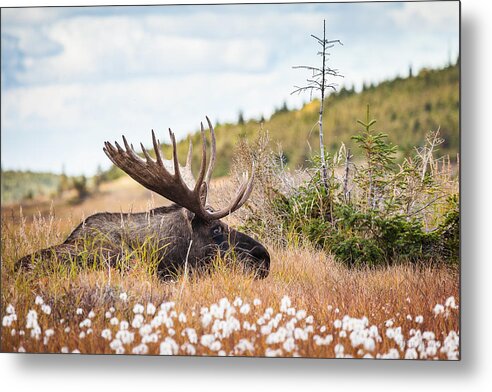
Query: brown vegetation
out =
(312, 280)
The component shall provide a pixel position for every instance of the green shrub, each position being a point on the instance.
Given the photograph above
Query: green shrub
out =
(378, 212)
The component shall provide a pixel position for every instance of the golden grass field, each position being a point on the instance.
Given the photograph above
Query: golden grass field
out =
(309, 306)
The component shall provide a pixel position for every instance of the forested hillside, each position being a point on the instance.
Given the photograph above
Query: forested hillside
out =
(19, 185)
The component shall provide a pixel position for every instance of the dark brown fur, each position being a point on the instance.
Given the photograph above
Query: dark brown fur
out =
(175, 234)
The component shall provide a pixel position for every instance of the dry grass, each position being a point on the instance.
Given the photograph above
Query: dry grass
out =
(311, 280)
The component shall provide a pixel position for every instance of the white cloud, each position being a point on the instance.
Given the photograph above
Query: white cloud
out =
(122, 45)
(433, 15)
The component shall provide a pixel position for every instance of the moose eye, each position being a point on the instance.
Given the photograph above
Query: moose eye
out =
(217, 230)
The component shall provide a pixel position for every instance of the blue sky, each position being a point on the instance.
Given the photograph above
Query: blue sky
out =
(75, 77)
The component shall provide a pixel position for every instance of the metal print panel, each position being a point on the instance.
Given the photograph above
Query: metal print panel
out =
(287, 184)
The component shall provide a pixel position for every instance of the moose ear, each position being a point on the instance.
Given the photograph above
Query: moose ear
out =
(188, 214)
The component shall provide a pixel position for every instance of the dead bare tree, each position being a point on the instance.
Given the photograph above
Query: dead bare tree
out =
(319, 82)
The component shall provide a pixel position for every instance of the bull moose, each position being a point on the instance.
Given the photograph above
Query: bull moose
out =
(187, 233)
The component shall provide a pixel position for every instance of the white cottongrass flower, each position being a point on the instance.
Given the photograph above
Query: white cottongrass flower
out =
(150, 309)
(322, 329)
(36, 332)
(10, 309)
(310, 319)
(138, 309)
(266, 329)
(300, 334)
(451, 303)
(419, 319)
(289, 344)
(438, 309)
(64, 350)
(114, 321)
(390, 333)
(320, 341)
(168, 347)
(273, 353)
(79, 311)
(107, 315)
(207, 339)
(125, 336)
(8, 320)
(237, 302)
(138, 320)
(279, 336)
(85, 323)
(106, 334)
(182, 317)
(46, 309)
(242, 346)
(66, 330)
(248, 326)
(32, 319)
(343, 334)
(389, 323)
(285, 304)
(245, 309)
(150, 338)
(256, 302)
(141, 349)
(429, 335)
(38, 300)
(192, 335)
(124, 296)
(411, 353)
(339, 350)
(124, 325)
(393, 353)
(215, 346)
(115, 344)
(91, 314)
(145, 330)
(188, 349)
(451, 346)
(337, 324)
(369, 344)
(206, 319)
(21, 350)
(301, 314)
(221, 353)
(82, 335)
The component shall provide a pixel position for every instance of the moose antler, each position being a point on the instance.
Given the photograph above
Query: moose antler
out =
(179, 186)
